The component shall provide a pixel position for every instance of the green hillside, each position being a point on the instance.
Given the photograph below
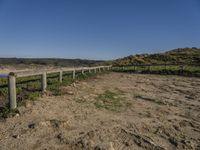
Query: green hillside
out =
(175, 56)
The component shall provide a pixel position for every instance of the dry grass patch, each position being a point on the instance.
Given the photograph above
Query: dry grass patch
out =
(113, 101)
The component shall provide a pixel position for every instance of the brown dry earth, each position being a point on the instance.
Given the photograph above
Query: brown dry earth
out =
(163, 114)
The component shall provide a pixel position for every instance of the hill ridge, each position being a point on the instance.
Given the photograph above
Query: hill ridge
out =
(174, 56)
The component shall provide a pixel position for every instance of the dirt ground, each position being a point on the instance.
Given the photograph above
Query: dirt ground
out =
(161, 113)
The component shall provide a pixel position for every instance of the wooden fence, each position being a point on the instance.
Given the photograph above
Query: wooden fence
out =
(13, 75)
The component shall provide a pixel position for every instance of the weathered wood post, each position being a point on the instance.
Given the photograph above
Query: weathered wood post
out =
(89, 70)
(99, 69)
(95, 70)
(74, 74)
(44, 81)
(181, 69)
(60, 76)
(134, 68)
(82, 71)
(12, 90)
(149, 68)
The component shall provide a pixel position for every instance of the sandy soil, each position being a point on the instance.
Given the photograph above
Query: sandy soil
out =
(163, 114)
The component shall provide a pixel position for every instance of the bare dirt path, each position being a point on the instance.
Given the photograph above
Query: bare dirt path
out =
(149, 112)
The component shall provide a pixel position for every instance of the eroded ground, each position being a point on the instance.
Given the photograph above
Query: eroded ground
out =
(113, 111)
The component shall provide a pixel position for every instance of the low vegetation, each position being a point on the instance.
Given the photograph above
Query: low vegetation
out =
(112, 101)
(186, 70)
(176, 56)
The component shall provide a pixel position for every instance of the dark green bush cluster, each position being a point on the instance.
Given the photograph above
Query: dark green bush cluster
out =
(192, 71)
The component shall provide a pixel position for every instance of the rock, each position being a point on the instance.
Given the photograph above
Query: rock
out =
(85, 97)
(31, 126)
(74, 84)
(17, 115)
(103, 146)
(27, 104)
(16, 136)
(70, 92)
(110, 146)
(45, 123)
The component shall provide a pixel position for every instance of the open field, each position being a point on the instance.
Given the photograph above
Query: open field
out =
(112, 111)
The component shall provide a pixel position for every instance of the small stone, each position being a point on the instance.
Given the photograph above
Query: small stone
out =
(70, 92)
(17, 115)
(27, 105)
(16, 136)
(74, 84)
(85, 97)
(31, 126)
(45, 123)
(110, 147)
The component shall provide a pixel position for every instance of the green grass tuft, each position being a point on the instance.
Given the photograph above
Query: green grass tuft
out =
(112, 101)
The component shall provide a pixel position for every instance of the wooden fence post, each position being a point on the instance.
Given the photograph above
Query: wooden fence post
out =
(82, 71)
(181, 68)
(60, 76)
(44, 81)
(89, 70)
(149, 68)
(12, 91)
(165, 67)
(95, 70)
(99, 69)
(74, 74)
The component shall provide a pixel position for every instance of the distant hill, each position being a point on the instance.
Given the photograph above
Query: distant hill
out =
(175, 56)
(49, 61)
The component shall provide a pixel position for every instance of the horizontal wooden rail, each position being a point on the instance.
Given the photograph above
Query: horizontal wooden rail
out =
(13, 75)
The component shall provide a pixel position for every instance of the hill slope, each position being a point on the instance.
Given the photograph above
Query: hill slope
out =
(48, 61)
(175, 56)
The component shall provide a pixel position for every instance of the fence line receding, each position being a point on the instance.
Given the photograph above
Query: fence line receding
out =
(13, 75)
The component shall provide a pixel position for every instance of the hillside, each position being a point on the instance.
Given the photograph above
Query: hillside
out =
(175, 56)
(48, 61)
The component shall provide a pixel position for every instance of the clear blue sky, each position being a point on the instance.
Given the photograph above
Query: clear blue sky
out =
(96, 29)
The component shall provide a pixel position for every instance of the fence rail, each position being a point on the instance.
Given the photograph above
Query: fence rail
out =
(13, 75)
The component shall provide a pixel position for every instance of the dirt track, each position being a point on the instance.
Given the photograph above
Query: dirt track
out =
(162, 113)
